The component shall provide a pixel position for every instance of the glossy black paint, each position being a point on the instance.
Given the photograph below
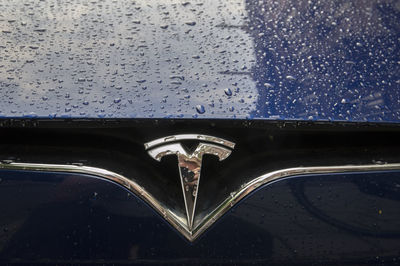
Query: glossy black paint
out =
(335, 219)
(340, 219)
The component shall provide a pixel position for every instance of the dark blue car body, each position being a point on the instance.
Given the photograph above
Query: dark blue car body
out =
(293, 83)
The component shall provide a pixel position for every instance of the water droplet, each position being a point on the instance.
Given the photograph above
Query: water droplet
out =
(268, 85)
(200, 109)
(228, 92)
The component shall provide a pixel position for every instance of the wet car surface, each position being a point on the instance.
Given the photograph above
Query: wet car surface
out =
(296, 60)
(110, 111)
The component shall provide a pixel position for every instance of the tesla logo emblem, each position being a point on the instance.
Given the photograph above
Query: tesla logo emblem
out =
(189, 164)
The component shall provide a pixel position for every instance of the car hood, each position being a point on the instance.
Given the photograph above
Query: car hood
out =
(270, 60)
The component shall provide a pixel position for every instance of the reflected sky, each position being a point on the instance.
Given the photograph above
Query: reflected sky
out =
(125, 59)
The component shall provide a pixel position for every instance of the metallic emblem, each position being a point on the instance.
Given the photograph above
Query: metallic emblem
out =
(189, 164)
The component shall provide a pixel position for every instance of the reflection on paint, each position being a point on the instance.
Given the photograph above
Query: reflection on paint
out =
(294, 60)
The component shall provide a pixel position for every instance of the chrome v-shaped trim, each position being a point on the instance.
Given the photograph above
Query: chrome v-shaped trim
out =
(235, 196)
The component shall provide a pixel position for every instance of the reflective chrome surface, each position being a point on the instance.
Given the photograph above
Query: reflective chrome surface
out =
(223, 207)
(173, 138)
(189, 164)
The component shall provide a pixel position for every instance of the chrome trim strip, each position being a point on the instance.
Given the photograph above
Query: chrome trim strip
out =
(234, 198)
(174, 138)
